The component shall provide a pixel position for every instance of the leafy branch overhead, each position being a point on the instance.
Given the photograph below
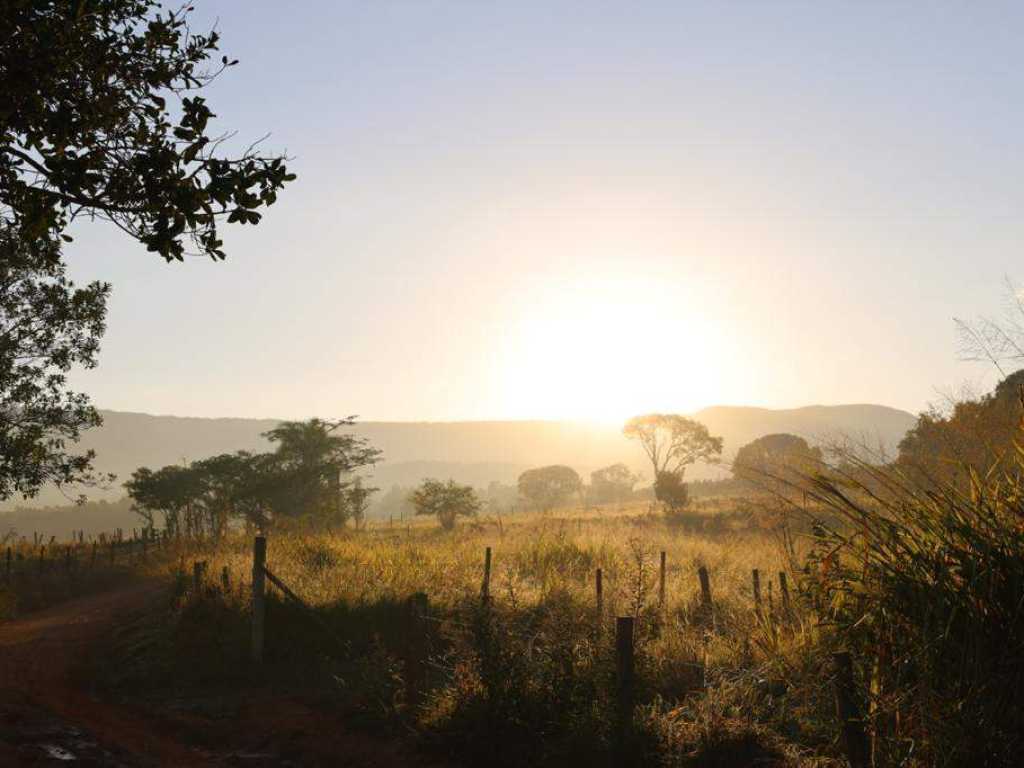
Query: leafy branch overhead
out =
(101, 117)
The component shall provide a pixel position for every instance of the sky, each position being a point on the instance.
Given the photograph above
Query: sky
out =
(588, 210)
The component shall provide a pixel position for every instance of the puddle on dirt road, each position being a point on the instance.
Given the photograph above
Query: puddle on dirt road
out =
(40, 739)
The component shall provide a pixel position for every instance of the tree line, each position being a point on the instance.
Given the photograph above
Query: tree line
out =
(308, 479)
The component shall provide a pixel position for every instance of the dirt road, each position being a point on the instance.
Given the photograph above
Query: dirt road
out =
(50, 712)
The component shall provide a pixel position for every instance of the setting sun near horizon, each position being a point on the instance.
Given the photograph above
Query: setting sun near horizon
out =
(604, 348)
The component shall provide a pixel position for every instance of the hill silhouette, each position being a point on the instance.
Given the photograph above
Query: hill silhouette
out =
(470, 451)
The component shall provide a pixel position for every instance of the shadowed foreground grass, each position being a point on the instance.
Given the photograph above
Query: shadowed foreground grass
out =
(528, 678)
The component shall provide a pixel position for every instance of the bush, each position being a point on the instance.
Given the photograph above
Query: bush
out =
(926, 586)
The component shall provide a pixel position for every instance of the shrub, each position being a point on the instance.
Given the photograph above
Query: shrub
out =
(926, 586)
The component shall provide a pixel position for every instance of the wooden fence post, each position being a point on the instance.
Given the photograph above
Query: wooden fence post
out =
(225, 579)
(485, 590)
(756, 576)
(705, 587)
(599, 594)
(661, 582)
(848, 712)
(259, 562)
(415, 649)
(198, 571)
(784, 589)
(624, 694)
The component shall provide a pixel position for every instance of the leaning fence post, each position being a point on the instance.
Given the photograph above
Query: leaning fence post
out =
(624, 694)
(756, 576)
(415, 648)
(848, 712)
(259, 563)
(661, 582)
(485, 590)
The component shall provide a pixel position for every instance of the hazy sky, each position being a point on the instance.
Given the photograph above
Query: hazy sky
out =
(517, 209)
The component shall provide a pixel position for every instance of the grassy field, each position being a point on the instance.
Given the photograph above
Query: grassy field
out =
(529, 677)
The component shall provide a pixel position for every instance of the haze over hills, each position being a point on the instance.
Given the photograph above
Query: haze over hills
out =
(475, 452)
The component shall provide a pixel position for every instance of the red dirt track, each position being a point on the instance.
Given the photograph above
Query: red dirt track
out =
(51, 714)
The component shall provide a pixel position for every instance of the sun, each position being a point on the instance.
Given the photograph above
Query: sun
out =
(605, 349)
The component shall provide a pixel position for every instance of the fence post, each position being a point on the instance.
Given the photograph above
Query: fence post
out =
(485, 590)
(599, 593)
(259, 562)
(624, 694)
(661, 582)
(784, 590)
(225, 579)
(198, 569)
(756, 576)
(848, 712)
(415, 649)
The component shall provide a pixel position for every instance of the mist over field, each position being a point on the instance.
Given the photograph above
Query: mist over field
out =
(687, 343)
(476, 453)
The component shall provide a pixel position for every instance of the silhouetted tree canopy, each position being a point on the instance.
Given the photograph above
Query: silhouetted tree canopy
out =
(978, 433)
(310, 467)
(672, 442)
(779, 463)
(670, 490)
(101, 117)
(547, 487)
(612, 483)
(47, 326)
(308, 478)
(446, 501)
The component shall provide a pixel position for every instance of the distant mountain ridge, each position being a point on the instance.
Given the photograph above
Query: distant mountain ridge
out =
(469, 451)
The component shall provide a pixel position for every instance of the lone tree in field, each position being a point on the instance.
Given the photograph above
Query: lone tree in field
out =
(612, 484)
(672, 443)
(446, 501)
(100, 118)
(547, 487)
(780, 464)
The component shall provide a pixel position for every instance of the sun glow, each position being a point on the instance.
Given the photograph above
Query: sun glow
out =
(606, 349)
